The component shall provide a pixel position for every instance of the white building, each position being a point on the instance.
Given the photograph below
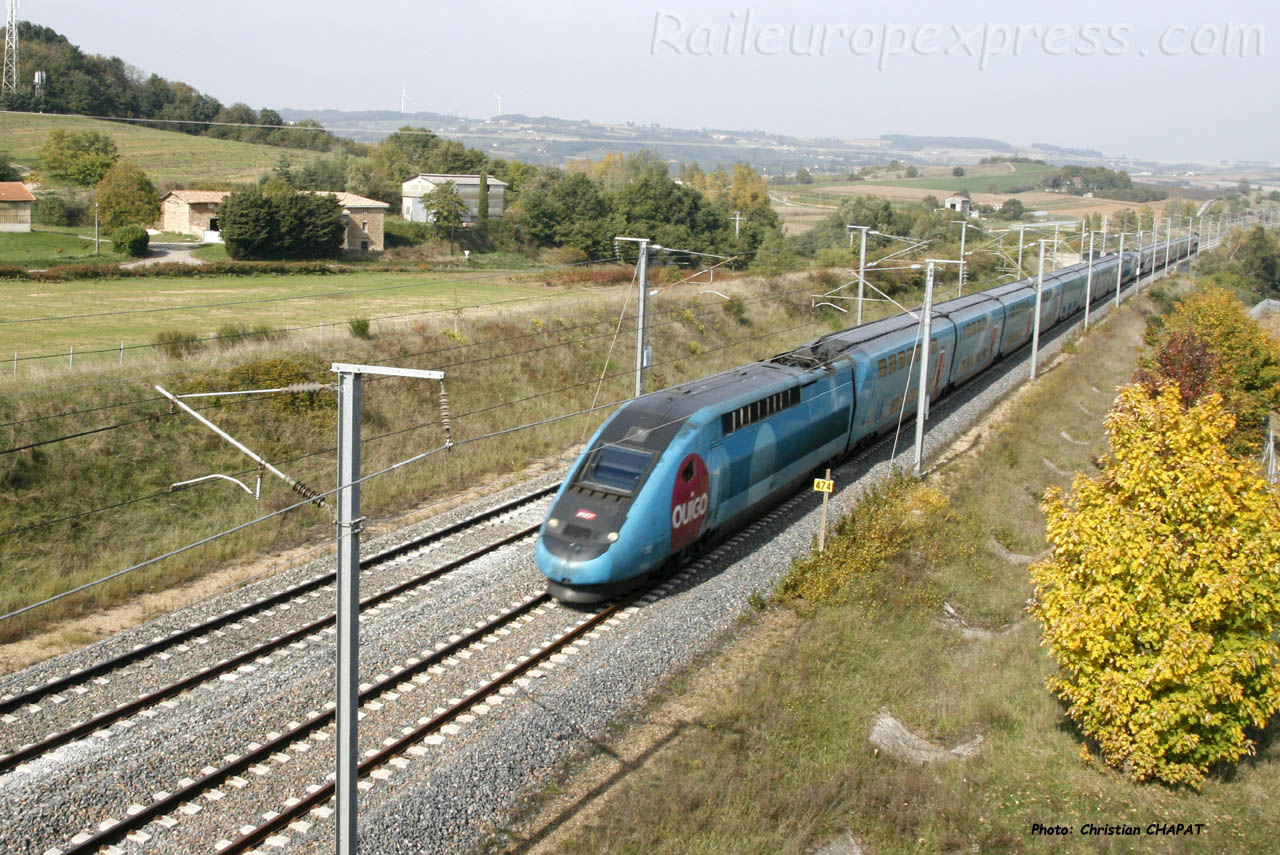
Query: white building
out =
(467, 187)
(959, 203)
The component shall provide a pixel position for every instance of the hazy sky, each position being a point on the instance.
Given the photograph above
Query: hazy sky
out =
(1170, 80)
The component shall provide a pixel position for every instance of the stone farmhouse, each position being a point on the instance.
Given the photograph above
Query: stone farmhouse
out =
(192, 212)
(195, 213)
(15, 207)
(467, 186)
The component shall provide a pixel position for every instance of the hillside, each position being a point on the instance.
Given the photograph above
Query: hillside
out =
(166, 156)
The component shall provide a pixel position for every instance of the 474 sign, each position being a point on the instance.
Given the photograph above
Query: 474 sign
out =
(824, 485)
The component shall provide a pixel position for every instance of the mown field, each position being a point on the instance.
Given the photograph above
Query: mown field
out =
(168, 157)
(777, 758)
(46, 246)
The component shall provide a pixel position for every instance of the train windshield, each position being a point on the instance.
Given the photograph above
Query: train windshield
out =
(616, 469)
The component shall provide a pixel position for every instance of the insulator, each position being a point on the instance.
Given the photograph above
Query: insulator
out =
(308, 387)
(306, 492)
(445, 419)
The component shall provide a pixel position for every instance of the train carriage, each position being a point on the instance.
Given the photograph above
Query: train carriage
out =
(669, 469)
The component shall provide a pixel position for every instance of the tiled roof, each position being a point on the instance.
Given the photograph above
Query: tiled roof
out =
(351, 200)
(13, 191)
(192, 197)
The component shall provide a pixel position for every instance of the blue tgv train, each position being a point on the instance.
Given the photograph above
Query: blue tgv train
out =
(671, 470)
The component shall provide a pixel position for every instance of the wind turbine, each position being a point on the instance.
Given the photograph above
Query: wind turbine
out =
(403, 98)
(499, 97)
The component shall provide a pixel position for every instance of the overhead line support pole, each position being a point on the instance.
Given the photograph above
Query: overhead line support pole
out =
(348, 590)
(1035, 332)
(922, 400)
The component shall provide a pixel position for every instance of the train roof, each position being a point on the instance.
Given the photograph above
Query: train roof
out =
(651, 420)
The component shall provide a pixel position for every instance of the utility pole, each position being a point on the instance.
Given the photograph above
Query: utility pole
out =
(922, 400)
(97, 242)
(1021, 229)
(642, 310)
(1104, 234)
(1120, 269)
(1088, 282)
(964, 228)
(862, 264)
(737, 222)
(1035, 331)
(347, 721)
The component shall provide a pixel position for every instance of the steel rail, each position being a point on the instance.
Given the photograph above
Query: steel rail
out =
(171, 802)
(179, 636)
(105, 719)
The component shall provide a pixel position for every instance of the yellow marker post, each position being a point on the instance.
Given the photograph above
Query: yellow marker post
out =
(824, 486)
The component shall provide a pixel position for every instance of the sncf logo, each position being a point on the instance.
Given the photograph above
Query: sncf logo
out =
(584, 514)
(690, 501)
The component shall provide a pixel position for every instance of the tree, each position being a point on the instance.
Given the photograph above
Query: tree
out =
(7, 171)
(127, 197)
(446, 209)
(1012, 209)
(1259, 259)
(1246, 361)
(803, 176)
(280, 224)
(248, 224)
(1160, 601)
(911, 172)
(958, 172)
(309, 225)
(81, 157)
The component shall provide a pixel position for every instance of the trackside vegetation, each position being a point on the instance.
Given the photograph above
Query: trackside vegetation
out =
(918, 609)
(1161, 601)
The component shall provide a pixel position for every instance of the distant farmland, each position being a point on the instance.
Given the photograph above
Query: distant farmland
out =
(167, 157)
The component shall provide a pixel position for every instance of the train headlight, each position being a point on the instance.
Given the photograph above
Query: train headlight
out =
(553, 523)
(612, 536)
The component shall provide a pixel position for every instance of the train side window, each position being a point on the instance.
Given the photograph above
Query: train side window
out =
(884, 367)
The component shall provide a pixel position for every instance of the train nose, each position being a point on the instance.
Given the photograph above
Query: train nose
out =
(583, 565)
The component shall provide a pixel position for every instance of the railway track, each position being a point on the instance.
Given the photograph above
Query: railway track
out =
(30, 699)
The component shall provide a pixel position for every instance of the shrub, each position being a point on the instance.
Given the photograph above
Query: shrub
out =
(54, 210)
(177, 344)
(359, 328)
(736, 308)
(130, 240)
(1160, 601)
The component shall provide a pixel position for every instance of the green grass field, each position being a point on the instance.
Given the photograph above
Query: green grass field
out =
(46, 246)
(167, 156)
(198, 307)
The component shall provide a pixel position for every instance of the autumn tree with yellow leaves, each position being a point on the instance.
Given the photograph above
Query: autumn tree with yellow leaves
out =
(1161, 599)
